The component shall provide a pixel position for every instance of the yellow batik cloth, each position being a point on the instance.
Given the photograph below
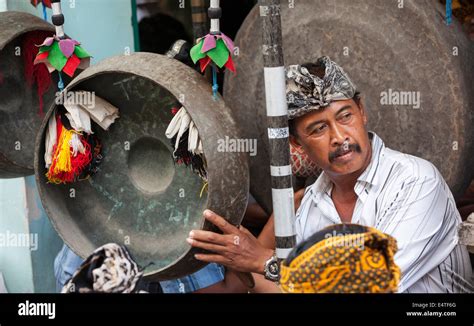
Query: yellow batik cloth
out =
(345, 258)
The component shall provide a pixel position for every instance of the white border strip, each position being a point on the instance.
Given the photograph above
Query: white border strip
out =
(282, 253)
(275, 91)
(280, 171)
(284, 210)
(215, 26)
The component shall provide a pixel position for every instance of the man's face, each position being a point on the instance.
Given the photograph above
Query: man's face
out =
(335, 138)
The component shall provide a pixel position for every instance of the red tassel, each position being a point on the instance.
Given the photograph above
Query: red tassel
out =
(71, 65)
(41, 56)
(174, 110)
(47, 3)
(80, 161)
(38, 74)
(59, 126)
(230, 64)
(204, 62)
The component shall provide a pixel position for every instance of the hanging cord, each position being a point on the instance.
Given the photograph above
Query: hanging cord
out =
(45, 12)
(60, 82)
(215, 86)
(449, 12)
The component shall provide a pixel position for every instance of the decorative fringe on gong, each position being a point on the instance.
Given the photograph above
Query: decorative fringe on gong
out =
(72, 155)
(183, 156)
(186, 142)
(35, 74)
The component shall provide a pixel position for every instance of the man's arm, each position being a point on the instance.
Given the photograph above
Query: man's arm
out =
(238, 249)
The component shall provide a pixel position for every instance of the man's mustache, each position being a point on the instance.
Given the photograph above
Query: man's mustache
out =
(340, 150)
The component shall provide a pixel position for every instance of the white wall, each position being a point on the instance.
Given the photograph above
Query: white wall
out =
(104, 27)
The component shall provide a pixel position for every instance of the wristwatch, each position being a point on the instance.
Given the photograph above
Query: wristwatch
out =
(271, 269)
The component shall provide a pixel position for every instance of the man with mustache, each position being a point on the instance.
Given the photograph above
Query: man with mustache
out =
(363, 182)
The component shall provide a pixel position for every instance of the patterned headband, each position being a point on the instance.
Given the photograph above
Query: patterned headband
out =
(306, 91)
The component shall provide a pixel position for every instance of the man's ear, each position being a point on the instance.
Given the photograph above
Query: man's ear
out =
(296, 144)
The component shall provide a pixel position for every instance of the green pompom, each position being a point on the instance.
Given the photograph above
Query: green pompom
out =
(80, 52)
(56, 58)
(195, 52)
(220, 54)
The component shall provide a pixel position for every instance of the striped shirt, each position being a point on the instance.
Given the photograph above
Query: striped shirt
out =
(406, 197)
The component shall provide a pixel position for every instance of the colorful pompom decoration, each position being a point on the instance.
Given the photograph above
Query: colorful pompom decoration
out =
(46, 3)
(62, 55)
(216, 48)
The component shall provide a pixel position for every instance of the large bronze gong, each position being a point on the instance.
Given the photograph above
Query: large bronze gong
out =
(384, 48)
(139, 197)
(19, 105)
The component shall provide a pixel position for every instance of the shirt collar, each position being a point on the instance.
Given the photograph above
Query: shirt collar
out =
(323, 184)
(369, 175)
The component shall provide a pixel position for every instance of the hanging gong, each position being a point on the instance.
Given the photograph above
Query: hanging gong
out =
(20, 113)
(140, 197)
(386, 50)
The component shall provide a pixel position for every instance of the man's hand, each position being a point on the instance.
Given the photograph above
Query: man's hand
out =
(237, 248)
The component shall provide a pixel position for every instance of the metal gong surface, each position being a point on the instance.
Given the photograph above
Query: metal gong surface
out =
(19, 105)
(385, 49)
(139, 197)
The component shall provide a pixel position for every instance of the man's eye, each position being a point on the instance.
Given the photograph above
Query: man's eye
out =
(319, 129)
(346, 117)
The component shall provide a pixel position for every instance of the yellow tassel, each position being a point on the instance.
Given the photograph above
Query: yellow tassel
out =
(63, 156)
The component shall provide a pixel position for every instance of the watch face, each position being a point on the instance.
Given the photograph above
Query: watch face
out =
(274, 268)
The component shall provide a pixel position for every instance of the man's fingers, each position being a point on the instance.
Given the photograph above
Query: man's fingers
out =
(205, 245)
(209, 258)
(220, 222)
(208, 236)
(244, 230)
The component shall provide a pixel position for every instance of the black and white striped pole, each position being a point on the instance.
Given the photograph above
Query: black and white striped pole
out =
(278, 132)
(58, 18)
(58, 21)
(214, 12)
